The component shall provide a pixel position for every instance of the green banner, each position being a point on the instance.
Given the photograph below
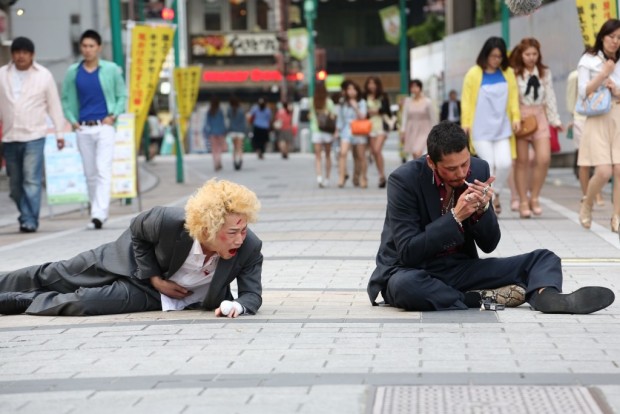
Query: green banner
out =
(298, 43)
(390, 20)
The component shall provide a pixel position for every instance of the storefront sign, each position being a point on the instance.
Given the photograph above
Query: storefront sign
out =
(64, 174)
(236, 44)
(235, 76)
(124, 161)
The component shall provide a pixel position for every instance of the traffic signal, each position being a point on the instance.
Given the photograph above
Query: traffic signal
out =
(321, 75)
(167, 13)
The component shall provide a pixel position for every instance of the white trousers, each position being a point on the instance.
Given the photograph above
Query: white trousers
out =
(96, 144)
(497, 154)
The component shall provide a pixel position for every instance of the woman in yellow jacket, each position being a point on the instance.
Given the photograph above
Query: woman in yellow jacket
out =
(490, 111)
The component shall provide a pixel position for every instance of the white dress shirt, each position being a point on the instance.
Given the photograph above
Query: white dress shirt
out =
(588, 67)
(24, 117)
(194, 275)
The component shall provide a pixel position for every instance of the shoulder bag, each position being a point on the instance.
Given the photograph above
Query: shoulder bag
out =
(595, 104)
(528, 126)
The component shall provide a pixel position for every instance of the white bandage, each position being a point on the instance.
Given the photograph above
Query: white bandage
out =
(226, 307)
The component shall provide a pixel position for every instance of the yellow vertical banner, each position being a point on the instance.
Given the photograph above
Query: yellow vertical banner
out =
(592, 14)
(149, 47)
(186, 85)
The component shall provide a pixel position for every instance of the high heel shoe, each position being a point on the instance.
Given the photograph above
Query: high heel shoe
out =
(382, 182)
(524, 210)
(615, 223)
(496, 205)
(514, 204)
(535, 207)
(585, 214)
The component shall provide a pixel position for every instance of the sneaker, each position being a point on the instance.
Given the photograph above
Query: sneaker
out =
(95, 224)
(319, 181)
(13, 303)
(325, 183)
(27, 229)
(510, 296)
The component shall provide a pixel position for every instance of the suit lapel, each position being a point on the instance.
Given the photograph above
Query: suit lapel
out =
(219, 279)
(181, 250)
(430, 193)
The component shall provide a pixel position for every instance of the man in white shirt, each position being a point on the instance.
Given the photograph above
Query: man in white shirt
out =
(28, 94)
(168, 259)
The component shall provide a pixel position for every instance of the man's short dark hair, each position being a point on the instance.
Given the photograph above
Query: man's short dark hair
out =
(91, 34)
(22, 44)
(446, 138)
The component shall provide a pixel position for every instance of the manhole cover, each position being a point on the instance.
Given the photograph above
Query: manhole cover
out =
(484, 400)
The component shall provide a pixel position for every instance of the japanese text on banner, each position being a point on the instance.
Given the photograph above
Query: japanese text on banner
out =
(187, 84)
(592, 15)
(149, 47)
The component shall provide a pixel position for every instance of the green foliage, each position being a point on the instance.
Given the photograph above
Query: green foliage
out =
(432, 30)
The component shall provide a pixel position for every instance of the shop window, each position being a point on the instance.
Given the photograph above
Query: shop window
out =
(238, 15)
(213, 19)
(262, 10)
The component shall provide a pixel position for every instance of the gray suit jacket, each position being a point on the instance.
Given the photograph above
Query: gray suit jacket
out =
(415, 233)
(157, 244)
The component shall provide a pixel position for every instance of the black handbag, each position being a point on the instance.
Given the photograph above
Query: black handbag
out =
(326, 122)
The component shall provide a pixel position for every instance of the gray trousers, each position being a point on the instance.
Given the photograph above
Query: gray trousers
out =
(79, 287)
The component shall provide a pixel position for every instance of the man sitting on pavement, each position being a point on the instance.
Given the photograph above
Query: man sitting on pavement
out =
(438, 211)
(168, 259)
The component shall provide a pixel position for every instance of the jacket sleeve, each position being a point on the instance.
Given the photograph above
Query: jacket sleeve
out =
(68, 94)
(467, 96)
(249, 286)
(120, 92)
(54, 107)
(514, 113)
(145, 234)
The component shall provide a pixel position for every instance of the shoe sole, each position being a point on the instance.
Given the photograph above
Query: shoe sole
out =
(581, 302)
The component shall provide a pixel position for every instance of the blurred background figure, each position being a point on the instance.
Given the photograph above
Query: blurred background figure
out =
(418, 118)
(575, 131)
(283, 124)
(600, 144)
(451, 109)
(156, 133)
(322, 128)
(378, 106)
(236, 130)
(352, 108)
(215, 132)
(490, 111)
(536, 99)
(260, 118)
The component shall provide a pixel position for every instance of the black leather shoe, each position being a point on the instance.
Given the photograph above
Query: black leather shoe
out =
(27, 229)
(582, 301)
(13, 303)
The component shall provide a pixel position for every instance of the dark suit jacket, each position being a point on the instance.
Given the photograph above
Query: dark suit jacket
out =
(415, 234)
(157, 244)
(443, 116)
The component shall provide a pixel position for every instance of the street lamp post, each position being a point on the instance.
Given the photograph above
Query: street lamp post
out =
(310, 14)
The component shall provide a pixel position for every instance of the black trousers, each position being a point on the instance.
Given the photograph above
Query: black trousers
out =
(260, 139)
(78, 287)
(441, 285)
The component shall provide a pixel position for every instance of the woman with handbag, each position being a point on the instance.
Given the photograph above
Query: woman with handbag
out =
(490, 111)
(598, 82)
(418, 117)
(353, 129)
(322, 127)
(378, 107)
(538, 108)
(215, 132)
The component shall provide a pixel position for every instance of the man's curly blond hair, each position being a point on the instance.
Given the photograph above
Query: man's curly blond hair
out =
(208, 207)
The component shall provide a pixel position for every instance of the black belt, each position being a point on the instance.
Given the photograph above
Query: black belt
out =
(92, 123)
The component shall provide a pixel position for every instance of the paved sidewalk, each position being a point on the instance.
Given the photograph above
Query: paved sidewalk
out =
(317, 345)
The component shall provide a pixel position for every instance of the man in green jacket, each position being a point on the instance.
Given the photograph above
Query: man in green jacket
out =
(93, 95)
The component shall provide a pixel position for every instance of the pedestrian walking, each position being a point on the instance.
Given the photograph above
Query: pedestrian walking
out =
(538, 108)
(437, 218)
(352, 133)
(236, 130)
(451, 108)
(490, 111)
(598, 71)
(93, 96)
(214, 132)
(322, 127)
(260, 117)
(28, 95)
(156, 133)
(378, 108)
(168, 259)
(283, 125)
(418, 118)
